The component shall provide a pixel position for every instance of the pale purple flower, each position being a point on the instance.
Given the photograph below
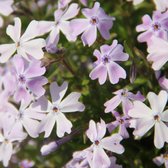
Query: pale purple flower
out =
(106, 63)
(162, 159)
(56, 108)
(157, 26)
(122, 122)
(61, 24)
(95, 19)
(26, 164)
(24, 45)
(158, 53)
(124, 97)
(7, 138)
(27, 118)
(161, 5)
(28, 78)
(144, 118)
(95, 133)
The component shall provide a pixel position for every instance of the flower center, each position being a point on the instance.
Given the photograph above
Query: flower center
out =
(55, 109)
(156, 26)
(22, 79)
(105, 59)
(97, 142)
(17, 44)
(121, 121)
(94, 20)
(156, 117)
(124, 93)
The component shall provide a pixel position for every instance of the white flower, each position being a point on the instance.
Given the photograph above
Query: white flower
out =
(55, 110)
(6, 142)
(25, 45)
(144, 118)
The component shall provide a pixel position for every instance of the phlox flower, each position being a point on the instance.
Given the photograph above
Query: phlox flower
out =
(7, 138)
(158, 53)
(5, 9)
(28, 78)
(27, 118)
(56, 108)
(95, 19)
(124, 97)
(136, 2)
(106, 63)
(95, 133)
(122, 122)
(161, 5)
(61, 24)
(162, 159)
(157, 26)
(144, 118)
(24, 45)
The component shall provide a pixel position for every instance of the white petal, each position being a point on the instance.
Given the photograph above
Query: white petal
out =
(140, 110)
(34, 48)
(71, 104)
(14, 31)
(157, 102)
(143, 126)
(161, 134)
(71, 12)
(112, 143)
(57, 92)
(6, 51)
(47, 125)
(100, 158)
(31, 126)
(7, 153)
(92, 131)
(63, 125)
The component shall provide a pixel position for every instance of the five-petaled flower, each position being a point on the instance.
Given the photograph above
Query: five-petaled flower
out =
(106, 63)
(55, 110)
(144, 118)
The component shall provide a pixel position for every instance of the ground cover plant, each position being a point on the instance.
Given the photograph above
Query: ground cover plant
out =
(83, 83)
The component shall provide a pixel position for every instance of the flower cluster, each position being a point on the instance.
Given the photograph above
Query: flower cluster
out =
(33, 102)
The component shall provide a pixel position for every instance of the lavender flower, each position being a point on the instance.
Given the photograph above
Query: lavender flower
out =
(28, 78)
(106, 63)
(95, 18)
(126, 98)
(96, 133)
(157, 26)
